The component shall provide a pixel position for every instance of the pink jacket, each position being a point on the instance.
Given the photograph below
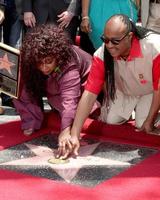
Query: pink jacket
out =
(64, 90)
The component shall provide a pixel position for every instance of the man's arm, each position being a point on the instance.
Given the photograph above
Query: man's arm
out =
(148, 125)
(84, 108)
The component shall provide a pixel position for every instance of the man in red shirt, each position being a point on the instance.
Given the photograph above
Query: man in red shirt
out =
(128, 64)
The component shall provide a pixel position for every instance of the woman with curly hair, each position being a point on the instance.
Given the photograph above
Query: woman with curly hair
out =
(53, 67)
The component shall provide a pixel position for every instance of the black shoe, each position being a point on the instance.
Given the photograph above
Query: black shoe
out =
(7, 102)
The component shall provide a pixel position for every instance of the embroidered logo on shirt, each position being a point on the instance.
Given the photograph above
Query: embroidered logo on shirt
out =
(142, 80)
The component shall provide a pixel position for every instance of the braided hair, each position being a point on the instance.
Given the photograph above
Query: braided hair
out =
(140, 33)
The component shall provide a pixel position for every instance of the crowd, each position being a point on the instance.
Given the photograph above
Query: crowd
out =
(115, 57)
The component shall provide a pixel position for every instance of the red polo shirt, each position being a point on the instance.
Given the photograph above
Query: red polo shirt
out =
(96, 77)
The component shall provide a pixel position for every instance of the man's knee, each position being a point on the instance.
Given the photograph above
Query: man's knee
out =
(114, 119)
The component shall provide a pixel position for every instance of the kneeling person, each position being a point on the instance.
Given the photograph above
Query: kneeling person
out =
(53, 67)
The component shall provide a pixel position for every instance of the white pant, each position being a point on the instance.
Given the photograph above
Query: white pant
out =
(121, 109)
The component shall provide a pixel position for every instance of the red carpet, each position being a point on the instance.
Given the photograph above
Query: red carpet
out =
(11, 134)
(17, 186)
(140, 182)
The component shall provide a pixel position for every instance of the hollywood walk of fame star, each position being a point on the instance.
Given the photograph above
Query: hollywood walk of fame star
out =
(68, 170)
(5, 63)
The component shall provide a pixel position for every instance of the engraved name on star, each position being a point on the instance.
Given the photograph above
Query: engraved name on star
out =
(6, 64)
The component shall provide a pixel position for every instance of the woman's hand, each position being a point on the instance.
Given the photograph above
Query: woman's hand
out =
(85, 25)
(64, 144)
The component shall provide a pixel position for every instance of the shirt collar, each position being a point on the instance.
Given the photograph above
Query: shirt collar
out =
(135, 51)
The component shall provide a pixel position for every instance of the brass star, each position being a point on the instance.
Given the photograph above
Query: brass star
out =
(5, 63)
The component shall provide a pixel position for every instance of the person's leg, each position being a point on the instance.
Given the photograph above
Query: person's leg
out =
(7, 26)
(12, 27)
(85, 43)
(118, 111)
(142, 109)
(15, 39)
(72, 28)
(30, 112)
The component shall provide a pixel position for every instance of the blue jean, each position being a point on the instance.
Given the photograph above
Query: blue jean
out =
(12, 28)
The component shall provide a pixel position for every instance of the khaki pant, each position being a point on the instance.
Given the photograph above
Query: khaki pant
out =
(121, 109)
(154, 17)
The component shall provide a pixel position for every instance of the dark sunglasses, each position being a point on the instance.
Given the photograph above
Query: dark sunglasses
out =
(113, 41)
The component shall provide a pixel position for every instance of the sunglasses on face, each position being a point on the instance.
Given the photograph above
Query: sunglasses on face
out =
(113, 41)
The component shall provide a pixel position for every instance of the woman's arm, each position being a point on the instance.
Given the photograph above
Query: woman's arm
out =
(85, 25)
(85, 7)
(138, 3)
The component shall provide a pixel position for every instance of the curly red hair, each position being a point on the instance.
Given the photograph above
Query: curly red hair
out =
(41, 42)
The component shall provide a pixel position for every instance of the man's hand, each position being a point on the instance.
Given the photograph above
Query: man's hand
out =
(75, 145)
(1, 16)
(67, 145)
(147, 126)
(29, 19)
(64, 19)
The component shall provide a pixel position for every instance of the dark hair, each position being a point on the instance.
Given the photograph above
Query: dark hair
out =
(140, 33)
(42, 41)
